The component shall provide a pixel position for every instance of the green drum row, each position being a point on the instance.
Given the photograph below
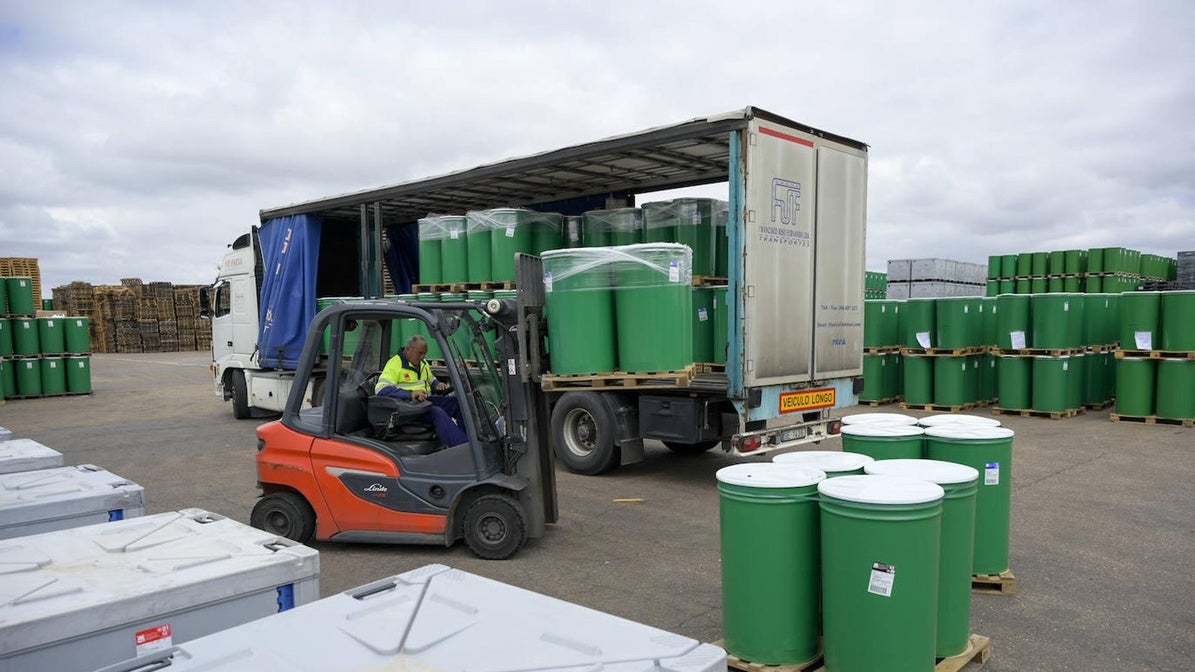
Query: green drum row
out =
(1163, 388)
(1157, 321)
(16, 296)
(45, 376)
(1055, 384)
(1056, 321)
(628, 308)
(1096, 260)
(28, 336)
(481, 246)
(946, 380)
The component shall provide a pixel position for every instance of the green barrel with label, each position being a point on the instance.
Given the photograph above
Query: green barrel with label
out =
(1136, 381)
(479, 237)
(832, 463)
(1076, 262)
(454, 249)
(51, 335)
(1038, 286)
(988, 450)
(955, 320)
(20, 295)
(580, 303)
(919, 323)
(1052, 384)
(78, 374)
(721, 323)
(1095, 260)
(770, 539)
(994, 266)
(880, 569)
(875, 378)
(688, 221)
(952, 381)
(28, 376)
(1177, 321)
(1176, 389)
(53, 375)
(919, 379)
(1041, 264)
(431, 254)
(1097, 319)
(960, 483)
(1056, 264)
(653, 305)
(1024, 264)
(1023, 286)
(884, 441)
(1140, 315)
(1008, 266)
(77, 336)
(514, 231)
(1014, 382)
(620, 226)
(24, 337)
(703, 324)
(1054, 325)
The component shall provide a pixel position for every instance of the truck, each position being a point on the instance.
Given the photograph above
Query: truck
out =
(796, 229)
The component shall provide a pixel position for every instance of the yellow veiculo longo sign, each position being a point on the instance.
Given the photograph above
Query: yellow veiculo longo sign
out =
(807, 400)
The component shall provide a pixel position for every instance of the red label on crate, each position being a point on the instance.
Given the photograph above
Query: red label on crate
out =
(153, 640)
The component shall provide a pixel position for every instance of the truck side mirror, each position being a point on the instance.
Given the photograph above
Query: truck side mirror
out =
(205, 304)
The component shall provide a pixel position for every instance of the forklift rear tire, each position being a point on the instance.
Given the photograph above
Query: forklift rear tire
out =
(689, 448)
(240, 395)
(285, 514)
(495, 527)
(583, 432)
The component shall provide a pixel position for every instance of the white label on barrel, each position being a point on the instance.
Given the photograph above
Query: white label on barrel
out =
(510, 230)
(882, 578)
(454, 233)
(25, 325)
(1066, 305)
(991, 473)
(923, 338)
(1145, 339)
(966, 309)
(548, 281)
(1066, 366)
(701, 315)
(673, 271)
(572, 235)
(1018, 339)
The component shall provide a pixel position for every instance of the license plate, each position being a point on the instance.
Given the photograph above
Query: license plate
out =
(793, 434)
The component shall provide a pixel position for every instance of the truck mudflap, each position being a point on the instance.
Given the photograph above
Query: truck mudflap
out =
(785, 436)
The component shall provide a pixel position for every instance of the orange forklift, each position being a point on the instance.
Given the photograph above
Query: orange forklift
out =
(344, 464)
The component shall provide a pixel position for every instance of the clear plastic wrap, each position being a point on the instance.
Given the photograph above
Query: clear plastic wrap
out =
(440, 227)
(621, 267)
(620, 226)
(692, 222)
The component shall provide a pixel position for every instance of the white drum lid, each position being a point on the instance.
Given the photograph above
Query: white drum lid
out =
(934, 471)
(882, 430)
(879, 418)
(825, 460)
(770, 475)
(881, 489)
(958, 419)
(966, 432)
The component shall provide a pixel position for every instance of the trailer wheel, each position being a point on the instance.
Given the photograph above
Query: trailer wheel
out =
(285, 514)
(240, 395)
(690, 448)
(583, 433)
(495, 527)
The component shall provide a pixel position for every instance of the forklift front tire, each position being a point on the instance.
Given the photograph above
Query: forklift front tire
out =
(495, 527)
(285, 514)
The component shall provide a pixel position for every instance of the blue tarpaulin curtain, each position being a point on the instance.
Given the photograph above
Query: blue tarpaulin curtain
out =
(290, 252)
(402, 259)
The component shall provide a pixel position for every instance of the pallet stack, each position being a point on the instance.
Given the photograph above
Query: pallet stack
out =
(23, 267)
(933, 278)
(136, 317)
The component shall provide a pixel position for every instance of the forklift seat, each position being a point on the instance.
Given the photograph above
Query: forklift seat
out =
(395, 418)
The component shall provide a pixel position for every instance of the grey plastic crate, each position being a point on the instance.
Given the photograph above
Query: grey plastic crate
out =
(89, 597)
(438, 618)
(897, 290)
(900, 270)
(26, 455)
(45, 500)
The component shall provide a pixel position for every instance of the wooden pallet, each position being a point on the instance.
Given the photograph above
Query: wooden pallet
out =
(1003, 583)
(1100, 406)
(939, 408)
(886, 350)
(709, 281)
(879, 402)
(1030, 413)
(979, 650)
(705, 367)
(434, 287)
(735, 663)
(1152, 420)
(1039, 352)
(945, 352)
(622, 379)
(1156, 354)
(1099, 349)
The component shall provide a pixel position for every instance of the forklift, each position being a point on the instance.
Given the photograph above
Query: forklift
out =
(350, 465)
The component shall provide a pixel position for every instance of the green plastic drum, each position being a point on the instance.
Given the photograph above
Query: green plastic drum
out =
(975, 378)
(28, 376)
(1136, 378)
(479, 236)
(689, 221)
(78, 374)
(988, 376)
(1093, 284)
(51, 335)
(1140, 314)
(1178, 321)
(547, 233)
(1115, 260)
(1041, 264)
(1057, 263)
(1007, 286)
(1052, 384)
(770, 529)
(961, 485)
(1072, 284)
(1024, 264)
(880, 553)
(1078, 377)
(1098, 328)
(77, 336)
(1023, 286)
(1176, 389)
(995, 266)
(703, 324)
(1013, 382)
(884, 441)
(653, 307)
(1008, 266)
(515, 231)
(1038, 286)
(989, 451)
(1095, 373)
(53, 375)
(3, 297)
(454, 252)
(621, 226)
(832, 463)
(431, 254)
(1056, 321)
(875, 378)
(993, 288)
(1013, 326)
(1055, 285)
(580, 304)
(1076, 262)
(988, 311)
(879, 419)
(721, 324)
(919, 379)
(881, 323)
(5, 337)
(1095, 260)
(955, 321)
(952, 381)
(20, 295)
(919, 320)
(24, 336)
(8, 377)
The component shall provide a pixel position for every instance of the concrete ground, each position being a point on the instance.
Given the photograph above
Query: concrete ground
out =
(1103, 522)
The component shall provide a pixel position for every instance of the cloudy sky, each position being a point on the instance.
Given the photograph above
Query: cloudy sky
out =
(138, 138)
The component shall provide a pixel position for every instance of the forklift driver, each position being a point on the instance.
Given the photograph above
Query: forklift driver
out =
(408, 376)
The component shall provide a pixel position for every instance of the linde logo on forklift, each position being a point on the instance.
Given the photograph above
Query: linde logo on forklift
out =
(377, 487)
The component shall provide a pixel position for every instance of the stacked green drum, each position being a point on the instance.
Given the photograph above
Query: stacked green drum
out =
(919, 322)
(958, 321)
(514, 231)
(53, 375)
(830, 462)
(431, 244)
(1057, 321)
(1013, 324)
(580, 301)
(78, 374)
(955, 381)
(691, 222)
(770, 534)
(19, 291)
(604, 228)
(988, 450)
(24, 337)
(1053, 383)
(880, 568)
(960, 484)
(918, 371)
(1177, 321)
(77, 337)
(1014, 382)
(703, 324)
(454, 250)
(479, 237)
(884, 441)
(51, 335)
(1176, 389)
(653, 306)
(28, 377)
(1136, 381)
(1140, 314)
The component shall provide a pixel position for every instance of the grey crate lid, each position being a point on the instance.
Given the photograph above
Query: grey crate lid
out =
(438, 618)
(26, 455)
(65, 584)
(64, 492)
